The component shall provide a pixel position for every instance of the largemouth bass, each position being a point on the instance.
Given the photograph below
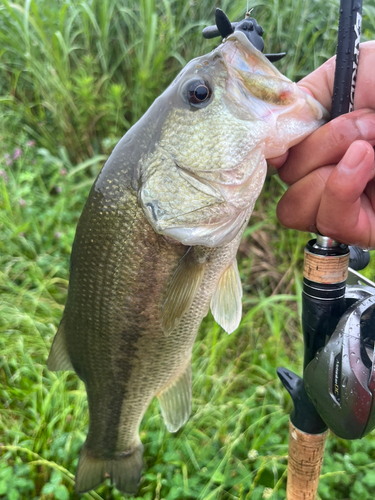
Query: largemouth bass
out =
(156, 245)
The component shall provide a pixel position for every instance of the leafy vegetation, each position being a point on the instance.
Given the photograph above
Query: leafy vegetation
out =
(73, 77)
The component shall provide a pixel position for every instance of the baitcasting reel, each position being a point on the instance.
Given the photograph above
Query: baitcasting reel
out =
(340, 380)
(338, 320)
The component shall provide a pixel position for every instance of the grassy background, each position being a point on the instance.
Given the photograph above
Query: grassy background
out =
(73, 77)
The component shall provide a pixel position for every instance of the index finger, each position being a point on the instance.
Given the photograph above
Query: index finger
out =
(328, 144)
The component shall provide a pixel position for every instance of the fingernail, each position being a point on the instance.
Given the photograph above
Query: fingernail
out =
(353, 158)
(365, 125)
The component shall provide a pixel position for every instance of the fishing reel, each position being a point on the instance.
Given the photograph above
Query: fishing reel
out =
(338, 321)
(248, 26)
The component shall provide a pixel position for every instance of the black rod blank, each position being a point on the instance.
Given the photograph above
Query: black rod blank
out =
(347, 57)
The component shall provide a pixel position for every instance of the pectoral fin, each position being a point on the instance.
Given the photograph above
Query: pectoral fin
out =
(182, 289)
(58, 358)
(226, 305)
(175, 400)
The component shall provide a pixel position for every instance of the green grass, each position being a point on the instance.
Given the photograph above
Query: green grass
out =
(73, 77)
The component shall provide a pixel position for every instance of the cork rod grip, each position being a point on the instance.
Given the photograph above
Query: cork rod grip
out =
(305, 460)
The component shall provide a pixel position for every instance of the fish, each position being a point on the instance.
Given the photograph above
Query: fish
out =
(155, 246)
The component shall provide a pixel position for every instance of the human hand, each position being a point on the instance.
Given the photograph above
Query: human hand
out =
(331, 173)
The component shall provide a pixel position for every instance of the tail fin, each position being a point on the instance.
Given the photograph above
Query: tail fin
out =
(124, 469)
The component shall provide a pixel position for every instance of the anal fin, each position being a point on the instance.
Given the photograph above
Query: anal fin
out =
(58, 358)
(124, 469)
(175, 400)
(182, 289)
(226, 304)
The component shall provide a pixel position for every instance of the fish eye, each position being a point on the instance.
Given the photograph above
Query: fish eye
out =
(198, 92)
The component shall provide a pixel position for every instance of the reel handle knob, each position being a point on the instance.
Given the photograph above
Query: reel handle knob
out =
(359, 259)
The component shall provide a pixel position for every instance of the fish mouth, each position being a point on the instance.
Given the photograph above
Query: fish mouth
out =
(256, 84)
(257, 92)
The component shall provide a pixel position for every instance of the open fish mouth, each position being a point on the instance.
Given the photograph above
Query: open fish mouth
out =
(261, 90)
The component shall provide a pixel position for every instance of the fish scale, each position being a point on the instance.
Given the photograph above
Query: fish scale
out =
(156, 246)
